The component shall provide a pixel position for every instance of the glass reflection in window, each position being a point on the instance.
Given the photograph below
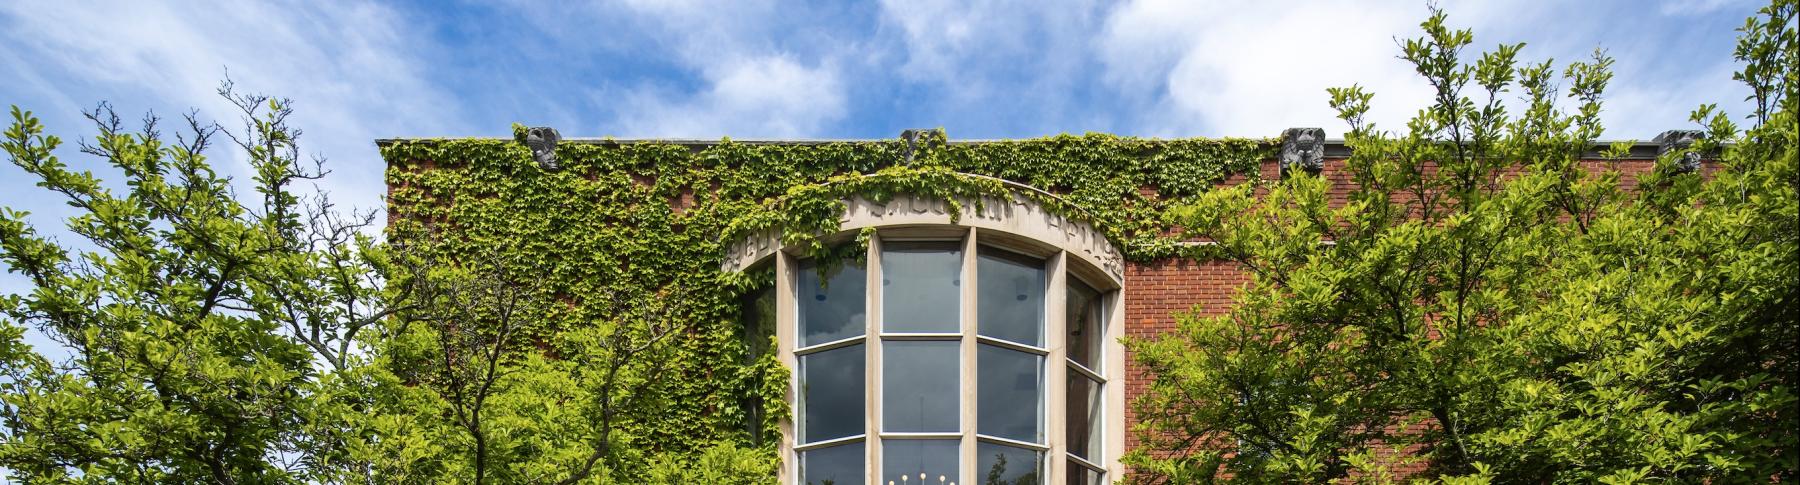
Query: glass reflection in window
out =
(1087, 324)
(920, 387)
(1083, 419)
(1080, 475)
(1010, 389)
(921, 461)
(831, 394)
(831, 308)
(1011, 301)
(1007, 465)
(921, 287)
(837, 465)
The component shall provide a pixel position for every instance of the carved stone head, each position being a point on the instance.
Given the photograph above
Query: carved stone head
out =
(910, 140)
(911, 143)
(542, 141)
(1303, 148)
(1677, 140)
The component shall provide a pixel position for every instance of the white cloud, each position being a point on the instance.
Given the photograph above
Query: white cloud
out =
(981, 49)
(1642, 110)
(1253, 68)
(701, 32)
(1697, 7)
(1248, 68)
(940, 34)
(746, 81)
(752, 97)
(347, 66)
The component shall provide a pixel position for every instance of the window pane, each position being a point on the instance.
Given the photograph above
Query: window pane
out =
(1010, 386)
(831, 308)
(1080, 475)
(757, 310)
(831, 394)
(837, 465)
(921, 287)
(757, 313)
(932, 458)
(920, 388)
(1006, 465)
(1011, 304)
(1087, 324)
(1084, 417)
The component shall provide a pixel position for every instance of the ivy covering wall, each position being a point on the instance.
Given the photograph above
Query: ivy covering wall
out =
(631, 234)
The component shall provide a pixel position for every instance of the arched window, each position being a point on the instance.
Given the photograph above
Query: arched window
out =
(976, 353)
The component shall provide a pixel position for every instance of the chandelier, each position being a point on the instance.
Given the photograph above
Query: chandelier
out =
(904, 480)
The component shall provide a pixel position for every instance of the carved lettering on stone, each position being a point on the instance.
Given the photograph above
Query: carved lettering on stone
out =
(1013, 213)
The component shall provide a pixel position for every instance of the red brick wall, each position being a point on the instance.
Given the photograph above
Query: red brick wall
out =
(1154, 292)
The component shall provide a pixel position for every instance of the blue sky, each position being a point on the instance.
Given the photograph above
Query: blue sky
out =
(800, 69)
(779, 68)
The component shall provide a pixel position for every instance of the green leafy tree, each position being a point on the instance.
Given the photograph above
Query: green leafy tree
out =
(475, 398)
(721, 463)
(207, 338)
(1492, 302)
(214, 341)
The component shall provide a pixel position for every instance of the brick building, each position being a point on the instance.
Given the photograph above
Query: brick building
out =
(902, 373)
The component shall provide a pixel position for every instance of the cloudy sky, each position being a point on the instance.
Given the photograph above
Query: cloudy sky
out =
(794, 69)
(780, 68)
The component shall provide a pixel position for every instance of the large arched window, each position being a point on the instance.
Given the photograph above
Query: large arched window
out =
(953, 353)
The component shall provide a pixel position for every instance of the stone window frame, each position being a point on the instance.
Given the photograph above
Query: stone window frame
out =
(1069, 249)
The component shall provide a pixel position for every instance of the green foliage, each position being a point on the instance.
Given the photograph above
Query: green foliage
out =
(574, 326)
(1123, 184)
(722, 463)
(1491, 305)
(628, 237)
(525, 326)
(200, 329)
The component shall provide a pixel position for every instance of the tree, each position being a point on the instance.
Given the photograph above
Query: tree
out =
(278, 342)
(204, 333)
(1493, 303)
(474, 397)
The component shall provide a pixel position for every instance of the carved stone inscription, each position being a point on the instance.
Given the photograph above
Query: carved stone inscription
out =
(1015, 215)
(746, 252)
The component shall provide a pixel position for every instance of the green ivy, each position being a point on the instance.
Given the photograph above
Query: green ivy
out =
(619, 223)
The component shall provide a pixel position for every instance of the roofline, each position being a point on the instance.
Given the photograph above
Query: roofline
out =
(1334, 147)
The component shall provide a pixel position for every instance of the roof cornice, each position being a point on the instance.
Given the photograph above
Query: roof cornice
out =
(1334, 148)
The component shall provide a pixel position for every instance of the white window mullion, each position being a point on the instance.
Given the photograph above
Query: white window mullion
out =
(1089, 465)
(921, 312)
(872, 371)
(1013, 443)
(1113, 412)
(969, 389)
(1077, 368)
(1056, 369)
(1011, 345)
(786, 340)
(829, 443)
